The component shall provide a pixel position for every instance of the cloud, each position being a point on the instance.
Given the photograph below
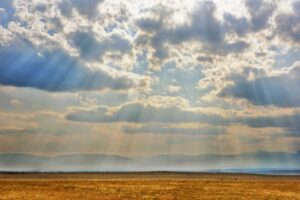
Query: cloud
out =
(74, 48)
(260, 12)
(174, 89)
(19, 99)
(288, 24)
(203, 27)
(142, 113)
(160, 117)
(240, 26)
(90, 48)
(163, 129)
(16, 102)
(87, 8)
(17, 131)
(289, 123)
(205, 59)
(279, 90)
(282, 121)
(23, 65)
(227, 48)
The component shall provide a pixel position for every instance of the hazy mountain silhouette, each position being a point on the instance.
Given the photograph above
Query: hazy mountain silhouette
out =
(100, 162)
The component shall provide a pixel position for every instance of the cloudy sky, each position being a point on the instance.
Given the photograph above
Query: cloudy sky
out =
(143, 78)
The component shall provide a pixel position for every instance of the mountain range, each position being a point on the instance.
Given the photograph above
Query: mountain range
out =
(100, 162)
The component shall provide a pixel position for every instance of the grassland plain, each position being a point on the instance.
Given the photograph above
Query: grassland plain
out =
(132, 186)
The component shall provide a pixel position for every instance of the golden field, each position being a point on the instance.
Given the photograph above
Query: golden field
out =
(147, 186)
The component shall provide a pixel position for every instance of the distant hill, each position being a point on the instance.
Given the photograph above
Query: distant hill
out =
(100, 162)
(74, 162)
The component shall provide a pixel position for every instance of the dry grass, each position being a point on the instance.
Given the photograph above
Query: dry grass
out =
(147, 186)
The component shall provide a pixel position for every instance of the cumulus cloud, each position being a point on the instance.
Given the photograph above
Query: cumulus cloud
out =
(279, 90)
(260, 12)
(140, 113)
(91, 48)
(160, 117)
(282, 121)
(203, 27)
(174, 89)
(240, 26)
(164, 129)
(87, 8)
(17, 131)
(288, 25)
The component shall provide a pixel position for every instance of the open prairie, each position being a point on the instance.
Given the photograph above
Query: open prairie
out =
(147, 186)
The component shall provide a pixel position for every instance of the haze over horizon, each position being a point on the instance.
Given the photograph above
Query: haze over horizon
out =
(141, 79)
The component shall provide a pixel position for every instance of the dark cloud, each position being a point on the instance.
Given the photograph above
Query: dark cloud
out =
(289, 123)
(226, 48)
(87, 45)
(260, 12)
(136, 112)
(91, 48)
(87, 8)
(17, 131)
(161, 129)
(240, 26)
(277, 90)
(205, 59)
(22, 65)
(288, 24)
(204, 27)
(139, 113)
(150, 25)
(282, 121)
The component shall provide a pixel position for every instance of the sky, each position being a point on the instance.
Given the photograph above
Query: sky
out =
(144, 78)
